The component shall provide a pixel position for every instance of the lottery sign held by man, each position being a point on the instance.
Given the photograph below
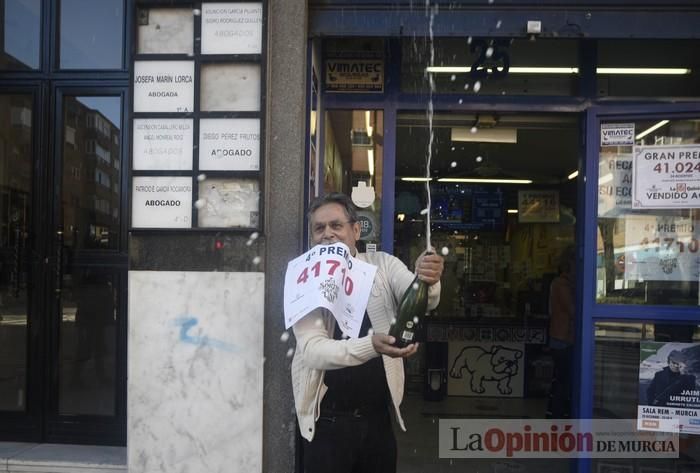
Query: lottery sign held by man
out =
(347, 374)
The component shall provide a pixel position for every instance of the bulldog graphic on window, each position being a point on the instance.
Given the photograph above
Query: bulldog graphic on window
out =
(500, 364)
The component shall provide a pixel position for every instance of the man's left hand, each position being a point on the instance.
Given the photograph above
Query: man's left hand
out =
(429, 267)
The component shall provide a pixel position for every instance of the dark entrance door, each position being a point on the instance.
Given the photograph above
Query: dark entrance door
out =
(63, 265)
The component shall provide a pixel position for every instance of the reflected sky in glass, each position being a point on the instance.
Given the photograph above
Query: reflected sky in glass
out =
(22, 30)
(93, 44)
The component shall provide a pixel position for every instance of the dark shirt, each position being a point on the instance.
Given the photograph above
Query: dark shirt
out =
(665, 384)
(356, 387)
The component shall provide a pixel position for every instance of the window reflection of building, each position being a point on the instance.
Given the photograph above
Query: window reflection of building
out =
(91, 177)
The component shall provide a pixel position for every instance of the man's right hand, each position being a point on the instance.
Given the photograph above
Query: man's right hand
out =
(384, 344)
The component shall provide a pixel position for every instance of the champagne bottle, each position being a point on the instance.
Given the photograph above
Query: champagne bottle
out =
(412, 308)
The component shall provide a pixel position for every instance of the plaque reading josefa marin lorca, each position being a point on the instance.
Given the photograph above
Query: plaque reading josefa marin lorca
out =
(163, 86)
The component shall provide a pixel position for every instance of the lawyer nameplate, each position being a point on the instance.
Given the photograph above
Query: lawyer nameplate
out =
(162, 144)
(161, 202)
(229, 144)
(163, 86)
(232, 28)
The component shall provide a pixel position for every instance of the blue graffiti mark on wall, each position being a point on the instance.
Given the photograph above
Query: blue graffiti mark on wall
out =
(187, 323)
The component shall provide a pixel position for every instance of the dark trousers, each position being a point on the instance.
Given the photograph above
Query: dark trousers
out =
(560, 392)
(351, 443)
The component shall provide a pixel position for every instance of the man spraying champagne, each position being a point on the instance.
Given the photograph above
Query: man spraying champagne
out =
(345, 389)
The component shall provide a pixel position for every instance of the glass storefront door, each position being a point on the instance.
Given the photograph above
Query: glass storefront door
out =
(642, 260)
(504, 210)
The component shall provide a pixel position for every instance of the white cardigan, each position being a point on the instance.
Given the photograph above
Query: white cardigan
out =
(317, 351)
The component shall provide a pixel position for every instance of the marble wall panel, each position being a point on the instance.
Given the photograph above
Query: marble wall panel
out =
(195, 372)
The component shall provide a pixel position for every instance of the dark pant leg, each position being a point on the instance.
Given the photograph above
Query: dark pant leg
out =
(378, 454)
(334, 446)
(560, 392)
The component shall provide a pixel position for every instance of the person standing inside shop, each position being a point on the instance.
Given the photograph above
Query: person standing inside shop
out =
(346, 389)
(562, 312)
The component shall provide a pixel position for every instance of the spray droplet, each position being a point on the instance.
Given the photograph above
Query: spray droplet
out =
(370, 332)
(479, 159)
(416, 320)
(318, 322)
(498, 24)
(453, 164)
(453, 77)
(202, 177)
(474, 129)
(284, 337)
(460, 101)
(254, 236)
(452, 149)
(196, 12)
(415, 286)
(393, 320)
(200, 203)
(290, 352)
(249, 243)
(466, 86)
(445, 251)
(256, 260)
(469, 40)
(490, 1)
(489, 53)
(477, 86)
(424, 212)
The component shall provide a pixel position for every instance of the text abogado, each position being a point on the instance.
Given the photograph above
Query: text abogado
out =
(162, 203)
(231, 152)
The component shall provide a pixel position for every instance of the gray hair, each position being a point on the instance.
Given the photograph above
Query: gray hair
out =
(334, 198)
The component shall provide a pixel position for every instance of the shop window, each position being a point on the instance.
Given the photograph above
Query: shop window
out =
(353, 164)
(645, 366)
(21, 34)
(94, 44)
(648, 68)
(648, 239)
(463, 63)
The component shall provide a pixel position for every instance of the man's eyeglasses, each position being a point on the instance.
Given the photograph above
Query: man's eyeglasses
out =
(336, 226)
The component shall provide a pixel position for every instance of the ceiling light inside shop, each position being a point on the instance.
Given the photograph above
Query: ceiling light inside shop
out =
(570, 70)
(650, 129)
(512, 211)
(478, 180)
(368, 123)
(370, 161)
(416, 179)
(573, 175)
(485, 135)
(664, 71)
